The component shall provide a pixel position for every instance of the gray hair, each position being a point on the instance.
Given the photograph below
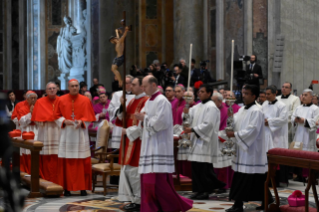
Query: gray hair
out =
(182, 59)
(50, 82)
(130, 77)
(180, 86)
(219, 96)
(272, 88)
(156, 61)
(308, 91)
(30, 94)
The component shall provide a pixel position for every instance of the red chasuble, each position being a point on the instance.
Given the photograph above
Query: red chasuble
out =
(132, 149)
(48, 133)
(74, 159)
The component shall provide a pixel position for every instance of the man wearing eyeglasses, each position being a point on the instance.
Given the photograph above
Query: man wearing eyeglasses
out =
(169, 93)
(48, 132)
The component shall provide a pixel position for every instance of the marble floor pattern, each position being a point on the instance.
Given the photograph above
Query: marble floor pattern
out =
(96, 202)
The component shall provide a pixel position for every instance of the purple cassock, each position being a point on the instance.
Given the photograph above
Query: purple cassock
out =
(99, 108)
(177, 110)
(235, 107)
(225, 174)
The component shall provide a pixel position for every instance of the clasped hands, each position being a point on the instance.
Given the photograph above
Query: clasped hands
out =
(77, 123)
(299, 120)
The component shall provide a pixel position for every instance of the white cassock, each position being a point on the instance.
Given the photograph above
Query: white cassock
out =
(112, 109)
(249, 130)
(49, 134)
(26, 126)
(306, 132)
(72, 140)
(157, 150)
(292, 102)
(205, 120)
(276, 134)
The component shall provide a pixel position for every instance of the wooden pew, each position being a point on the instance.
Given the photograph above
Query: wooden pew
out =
(296, 158)
(38, 187)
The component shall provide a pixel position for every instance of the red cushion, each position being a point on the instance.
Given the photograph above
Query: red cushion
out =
(28, 135)
(294, 153)
(287, 208)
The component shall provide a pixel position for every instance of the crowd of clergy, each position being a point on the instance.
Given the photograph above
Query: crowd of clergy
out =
(148, 165)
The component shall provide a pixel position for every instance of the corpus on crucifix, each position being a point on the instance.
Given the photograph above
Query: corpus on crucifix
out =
(119, 43)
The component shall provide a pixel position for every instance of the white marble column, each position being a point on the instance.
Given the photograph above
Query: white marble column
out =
(248, 27)
(88, 44)
(42, 54)
(220, 47)
(188, 28)
(8, 72)
(22, 5)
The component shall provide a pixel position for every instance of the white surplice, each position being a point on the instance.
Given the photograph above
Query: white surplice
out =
(306, 132)
(291, 102)
(49, 134)
(223, 161)
(205, 121)
(112, 109)
(74, 143)
(157, 150)
(27, 126)
(249, 130)
(276, 134)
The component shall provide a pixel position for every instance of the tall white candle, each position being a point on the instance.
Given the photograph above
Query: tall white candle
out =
(232, 66)
(189, 66)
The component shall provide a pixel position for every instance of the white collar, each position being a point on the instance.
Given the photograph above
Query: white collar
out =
(140, 95)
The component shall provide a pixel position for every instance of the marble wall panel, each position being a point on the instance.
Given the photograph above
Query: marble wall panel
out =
(260, 32)
(287, 30)
(233, 29)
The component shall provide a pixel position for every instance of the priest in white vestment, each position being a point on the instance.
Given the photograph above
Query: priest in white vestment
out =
(276, 129)
(250, 162)
(276, 120)
(292, 102)
(305, 118)
(114, 106)
(205, 120)
(156, 163)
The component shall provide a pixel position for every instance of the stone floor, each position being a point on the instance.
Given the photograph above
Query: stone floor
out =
(96, 202)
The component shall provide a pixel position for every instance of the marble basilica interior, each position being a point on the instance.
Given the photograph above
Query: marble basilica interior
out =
(283, 34)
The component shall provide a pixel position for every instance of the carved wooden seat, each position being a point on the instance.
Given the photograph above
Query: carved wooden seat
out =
(296, 158)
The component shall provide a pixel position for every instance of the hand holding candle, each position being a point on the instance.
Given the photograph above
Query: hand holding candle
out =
(232, 66)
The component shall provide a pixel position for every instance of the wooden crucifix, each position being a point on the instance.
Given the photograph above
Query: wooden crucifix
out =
(120, 48)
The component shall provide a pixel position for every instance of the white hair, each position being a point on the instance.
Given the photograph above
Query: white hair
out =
(156, 61)
(50, 83)
(130, 77)
(219, 96)
(308, 91)
(182, 59)
(30, 94)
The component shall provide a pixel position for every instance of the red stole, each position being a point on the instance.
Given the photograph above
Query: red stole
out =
(132, 149)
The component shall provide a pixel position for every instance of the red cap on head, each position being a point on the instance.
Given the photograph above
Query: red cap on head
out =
(29, 92)
(73, 80)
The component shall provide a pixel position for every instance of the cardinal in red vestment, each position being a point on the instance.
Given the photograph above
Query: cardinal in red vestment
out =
(48, 132)
(74, 114)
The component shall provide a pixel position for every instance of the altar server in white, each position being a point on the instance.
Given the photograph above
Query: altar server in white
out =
(113, 109)
(292, 102)
(305, 118)
(276, 120)
(156, 163)
(205, 120)
(250, 163)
